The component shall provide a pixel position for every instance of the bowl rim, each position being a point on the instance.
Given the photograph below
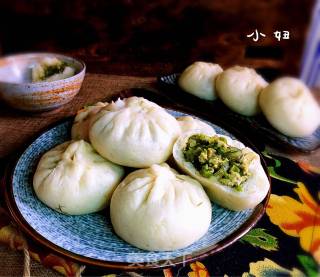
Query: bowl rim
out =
(259, 211)
(44, 54)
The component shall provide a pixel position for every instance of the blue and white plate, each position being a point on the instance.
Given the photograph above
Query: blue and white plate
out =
(90, 238)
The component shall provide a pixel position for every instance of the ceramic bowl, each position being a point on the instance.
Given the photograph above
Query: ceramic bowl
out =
(17, 89)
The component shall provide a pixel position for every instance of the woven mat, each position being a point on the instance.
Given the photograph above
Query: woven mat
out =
(12, 264)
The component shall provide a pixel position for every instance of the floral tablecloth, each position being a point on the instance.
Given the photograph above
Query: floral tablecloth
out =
(286, 241)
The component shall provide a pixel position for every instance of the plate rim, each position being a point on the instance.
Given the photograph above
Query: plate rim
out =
(259, 211)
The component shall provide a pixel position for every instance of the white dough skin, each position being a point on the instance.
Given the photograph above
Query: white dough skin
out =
(239, 87)
(73, 179)
(254, 189)
(189, 124)
(134, 132)
(156, 209)
(290, 108)
(81, 124)
(199, 79)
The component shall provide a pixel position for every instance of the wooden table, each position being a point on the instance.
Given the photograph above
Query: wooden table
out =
(17, 128)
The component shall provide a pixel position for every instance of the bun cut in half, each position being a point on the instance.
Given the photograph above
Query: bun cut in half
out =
(230, 172)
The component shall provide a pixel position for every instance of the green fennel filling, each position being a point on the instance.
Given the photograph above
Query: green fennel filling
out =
(212, 156)
(50, 70)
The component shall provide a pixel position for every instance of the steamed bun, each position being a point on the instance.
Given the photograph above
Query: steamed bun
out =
(73, 179)
(81, 124)
(233, 155)
(151, 209)
(290, 107)
(134, 132)
(239, 87)
(199, 79)
(189, 124)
